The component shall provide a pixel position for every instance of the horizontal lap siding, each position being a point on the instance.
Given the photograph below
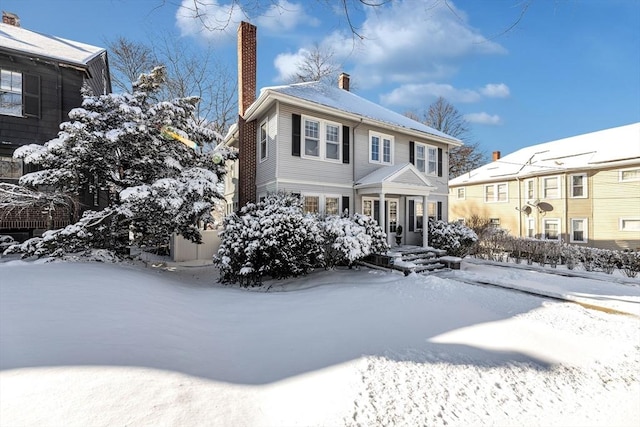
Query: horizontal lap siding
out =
(298, 168)
(266, 170)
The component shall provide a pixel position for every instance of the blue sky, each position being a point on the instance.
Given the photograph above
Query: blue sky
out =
(568, 67)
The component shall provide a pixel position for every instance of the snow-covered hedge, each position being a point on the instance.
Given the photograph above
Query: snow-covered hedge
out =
(455, 238)
(275, 239)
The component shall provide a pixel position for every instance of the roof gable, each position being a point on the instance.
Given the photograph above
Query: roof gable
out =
(595, 150)
(343, 101)
(402, 174)
(20, 40)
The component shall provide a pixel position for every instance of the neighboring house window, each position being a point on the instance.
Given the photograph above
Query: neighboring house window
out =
(629, 175)
(551, 187)
(322, 139)
(630, 224)
(496, 193)
(579, 186)
(263, 141)
(530, 189)
(380, 148)
(494, 222)
(531, 227)
(551, 227)
(461, 193)
(19, 94)
(578, 230)
(10, 168)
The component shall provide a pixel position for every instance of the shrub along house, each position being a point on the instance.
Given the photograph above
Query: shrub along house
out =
(584, 190)
(338, 151)
(40, 81)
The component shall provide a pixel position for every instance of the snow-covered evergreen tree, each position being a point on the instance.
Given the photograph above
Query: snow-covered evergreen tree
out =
(119, 143)
(453, 237)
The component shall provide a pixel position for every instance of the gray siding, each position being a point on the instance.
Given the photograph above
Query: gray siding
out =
(266, 169)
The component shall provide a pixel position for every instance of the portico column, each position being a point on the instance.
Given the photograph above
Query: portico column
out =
(425, 220)
(381, 214)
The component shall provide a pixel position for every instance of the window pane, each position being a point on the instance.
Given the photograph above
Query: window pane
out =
(433, 161)
(460, 193)
(311, 204)
(375, 148)
(529, 190)
(551, 230)
(489, 194)
(550, 188)
(366, 208)
(386, 157)
(333, 151)
(630, 175)
(419, 215)
(331, 206)
(630, 224)
(502, 192)
(311, 129)
(577, 185)
(332, 133)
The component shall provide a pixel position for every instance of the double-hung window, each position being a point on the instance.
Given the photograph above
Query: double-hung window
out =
(432, 161)
(426, 159)
(322, 139)
(530, 189)
(460, 193)
(380, 148)
(551, 228)
(421, 157)
(19, 94)
(578, 230)
(579, 185)
(494, 193)
(551, 187)
(327, 204)
(263, 141)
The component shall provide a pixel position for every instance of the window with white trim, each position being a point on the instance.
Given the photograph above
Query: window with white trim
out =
(426, 158)
(419, 216)
(432, 210)
(630, 224)
(551, 228)
(380, 148)
(263, 141)
(332, 205)
(460, 193)
(579, 186)
(530, 189)
(551, 187)
(531, 227)
(432, 161)
(324, 204)
(629, 175)
(496, 193)
(10, 93)
(578, 231)
(321, 139)
(311, 204)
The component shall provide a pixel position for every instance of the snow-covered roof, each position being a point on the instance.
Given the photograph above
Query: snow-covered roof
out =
(610, 147)
(334, 98)
(20, 40)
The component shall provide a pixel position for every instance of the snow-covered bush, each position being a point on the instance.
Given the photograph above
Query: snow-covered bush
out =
(272, 238)
(379, 242)
(630, 263)
(346, 240)
(453, 237)
(119, 144)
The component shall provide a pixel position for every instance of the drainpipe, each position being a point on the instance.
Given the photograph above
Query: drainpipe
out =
(566, 207)
(519, 207)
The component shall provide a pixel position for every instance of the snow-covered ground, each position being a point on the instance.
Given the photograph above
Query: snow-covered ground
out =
(92, 344)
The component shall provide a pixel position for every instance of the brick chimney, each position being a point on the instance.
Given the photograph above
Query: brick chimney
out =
(247, 131)
(496, 155)
(10, 18)
(343, 81)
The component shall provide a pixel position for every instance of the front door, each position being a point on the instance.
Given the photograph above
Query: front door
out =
(372, 207)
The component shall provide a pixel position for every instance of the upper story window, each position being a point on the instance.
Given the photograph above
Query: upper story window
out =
(496, 193)
(629, 175)
(530, 189)
(322, 139)
(380, 148)
(426, 159)
(263, 141)
(460, 193)
(551, 187)
(19, 94)
(579, 185)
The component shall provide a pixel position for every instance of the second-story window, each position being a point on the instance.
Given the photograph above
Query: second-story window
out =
(579, 186)
(311, 138)
(332, 133)
(322, 139)
(10, 93)
(530, 189)
(496, 193)
(263, 141)
(426, 159)
(551, 187)
(380, 148)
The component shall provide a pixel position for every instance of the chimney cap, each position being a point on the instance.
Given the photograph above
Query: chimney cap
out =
(10, 18)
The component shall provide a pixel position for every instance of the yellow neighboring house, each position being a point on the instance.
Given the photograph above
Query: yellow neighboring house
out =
(584, 190)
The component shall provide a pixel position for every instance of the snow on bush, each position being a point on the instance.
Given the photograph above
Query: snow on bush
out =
(275, 239)
(156, 184)
(453, 237)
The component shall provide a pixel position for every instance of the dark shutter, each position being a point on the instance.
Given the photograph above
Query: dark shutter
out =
(439, 161)
(439, 211)
(31, 95)
(376, 210)
(345, 204)
(345, 144)
(295, 135)
(412, 214)
(412, 154)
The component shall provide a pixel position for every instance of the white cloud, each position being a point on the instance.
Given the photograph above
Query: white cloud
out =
(420, 95)
(495, 90)
(285, 16)
(483, 118)
(215, 21)
(287, 64)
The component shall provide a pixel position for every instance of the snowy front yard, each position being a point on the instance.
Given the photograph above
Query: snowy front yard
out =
(102, 344)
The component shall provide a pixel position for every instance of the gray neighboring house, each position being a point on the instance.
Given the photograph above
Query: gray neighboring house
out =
(337, 150)
(40, 80)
